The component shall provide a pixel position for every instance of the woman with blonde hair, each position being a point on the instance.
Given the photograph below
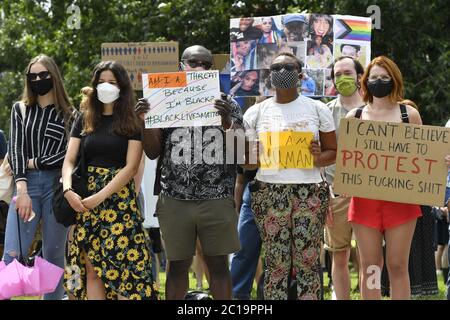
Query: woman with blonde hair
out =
(37, 146)
(109, 256)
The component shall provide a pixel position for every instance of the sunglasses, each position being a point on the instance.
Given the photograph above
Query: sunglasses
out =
(286, 66)
(42, 75)
(195, 64)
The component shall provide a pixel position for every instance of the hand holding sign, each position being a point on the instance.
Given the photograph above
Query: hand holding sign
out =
(316, 151)
(141, 108)
(223, 106)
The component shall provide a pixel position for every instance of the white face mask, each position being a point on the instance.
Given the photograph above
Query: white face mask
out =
(107, 92)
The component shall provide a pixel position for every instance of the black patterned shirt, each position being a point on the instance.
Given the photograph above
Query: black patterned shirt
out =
(197, 180)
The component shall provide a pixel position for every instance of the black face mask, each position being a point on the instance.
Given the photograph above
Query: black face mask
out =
(380, 88)
(41, 87)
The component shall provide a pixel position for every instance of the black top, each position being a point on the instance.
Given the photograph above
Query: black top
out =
(40, 136)
(104, 148)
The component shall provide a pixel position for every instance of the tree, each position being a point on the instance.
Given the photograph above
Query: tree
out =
(412, 33)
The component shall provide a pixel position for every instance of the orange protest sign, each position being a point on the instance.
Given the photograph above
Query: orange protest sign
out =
(286, 150)
(167, 80)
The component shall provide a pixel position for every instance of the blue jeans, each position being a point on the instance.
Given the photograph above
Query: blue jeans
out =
(245, 261)
(40, 190)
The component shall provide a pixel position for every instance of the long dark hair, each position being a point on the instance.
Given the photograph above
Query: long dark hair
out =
(125, 121)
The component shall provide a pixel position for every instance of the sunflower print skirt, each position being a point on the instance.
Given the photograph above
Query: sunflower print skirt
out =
(111, 236)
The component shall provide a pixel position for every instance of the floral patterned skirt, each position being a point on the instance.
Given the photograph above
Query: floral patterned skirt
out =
(112, 238)
(291, 220)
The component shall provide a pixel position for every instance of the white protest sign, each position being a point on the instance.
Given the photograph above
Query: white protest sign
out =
(181, 99)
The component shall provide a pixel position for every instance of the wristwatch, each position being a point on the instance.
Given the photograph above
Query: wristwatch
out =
(67, 190)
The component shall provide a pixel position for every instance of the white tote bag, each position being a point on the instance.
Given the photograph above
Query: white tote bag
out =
(6, 180)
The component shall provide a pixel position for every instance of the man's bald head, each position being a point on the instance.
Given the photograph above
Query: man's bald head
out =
(198, 53)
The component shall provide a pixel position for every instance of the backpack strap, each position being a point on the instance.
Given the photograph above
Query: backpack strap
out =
(358, 112)
(405, 117)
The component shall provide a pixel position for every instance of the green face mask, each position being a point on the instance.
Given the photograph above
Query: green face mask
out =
(346, 85)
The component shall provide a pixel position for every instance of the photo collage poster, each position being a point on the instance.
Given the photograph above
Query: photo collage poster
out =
(315, 39)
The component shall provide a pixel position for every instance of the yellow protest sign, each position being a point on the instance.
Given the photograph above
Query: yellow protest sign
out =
(286, 150)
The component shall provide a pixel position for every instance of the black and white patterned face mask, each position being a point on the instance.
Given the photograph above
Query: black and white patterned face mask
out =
(284, 79)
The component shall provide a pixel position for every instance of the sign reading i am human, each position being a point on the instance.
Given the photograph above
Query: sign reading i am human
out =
(142, 57)
(392, 161)
(286, 150)
(182, 99)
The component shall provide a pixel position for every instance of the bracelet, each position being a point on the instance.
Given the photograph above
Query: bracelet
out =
(67, 190)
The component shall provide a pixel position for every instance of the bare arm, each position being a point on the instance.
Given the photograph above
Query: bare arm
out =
(140, 174)
(70, 159)
(238, 192)
(152, 142)
(325, 154)
(152, 139)
(414, 115)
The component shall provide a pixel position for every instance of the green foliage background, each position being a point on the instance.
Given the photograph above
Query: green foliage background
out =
(414, 33)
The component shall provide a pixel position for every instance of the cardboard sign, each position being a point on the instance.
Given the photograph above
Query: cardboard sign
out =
(392, 161)
(286, 150)
(182, 99)
(142, 57)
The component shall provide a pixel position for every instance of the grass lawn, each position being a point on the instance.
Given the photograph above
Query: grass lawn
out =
(327, 294)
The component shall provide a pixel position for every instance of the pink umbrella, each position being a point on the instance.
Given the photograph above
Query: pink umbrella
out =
(49, 275)
(17, 279)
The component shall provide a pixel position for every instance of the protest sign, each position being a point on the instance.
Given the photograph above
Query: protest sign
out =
(182, 99)
(221, 62)
(315, 39)
(392, 161)
(142, 57)
(286, 150)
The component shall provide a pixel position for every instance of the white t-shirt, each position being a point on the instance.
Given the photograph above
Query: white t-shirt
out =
(448, 124)
(148, 181)
(302, 115)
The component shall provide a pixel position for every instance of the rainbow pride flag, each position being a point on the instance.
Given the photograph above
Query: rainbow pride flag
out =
(351, 29)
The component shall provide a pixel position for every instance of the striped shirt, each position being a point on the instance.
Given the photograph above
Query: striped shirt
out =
(41, 137)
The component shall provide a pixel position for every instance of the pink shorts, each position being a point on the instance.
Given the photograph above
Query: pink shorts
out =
(381, 214)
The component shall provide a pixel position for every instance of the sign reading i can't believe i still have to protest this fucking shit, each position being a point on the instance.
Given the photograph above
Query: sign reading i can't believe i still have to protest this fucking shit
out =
(182, 99)
(392, 161)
